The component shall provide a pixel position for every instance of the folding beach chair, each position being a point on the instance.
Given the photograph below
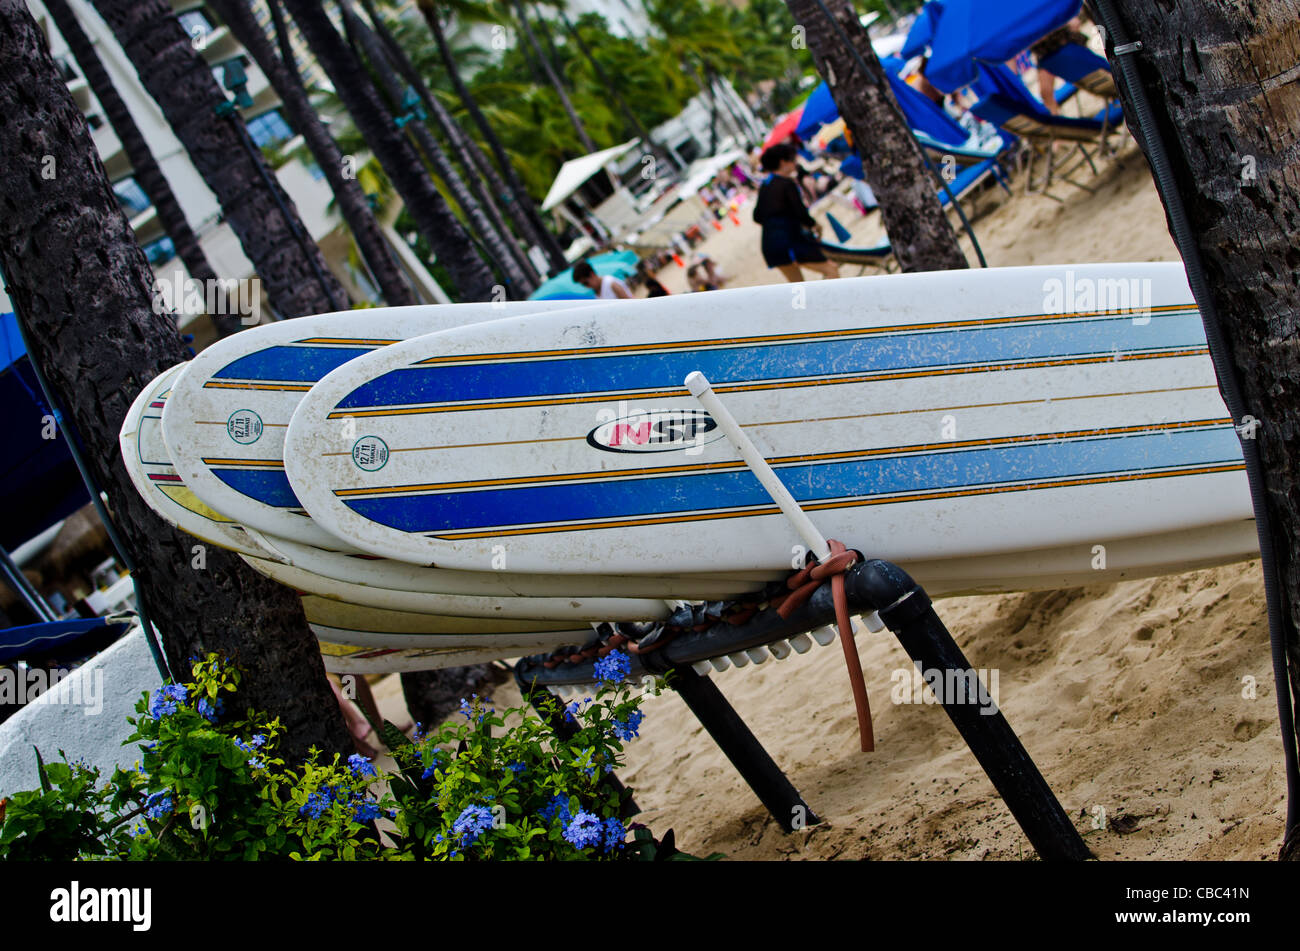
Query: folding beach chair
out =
(1011, 107)
(879, 256)
(1081, 67)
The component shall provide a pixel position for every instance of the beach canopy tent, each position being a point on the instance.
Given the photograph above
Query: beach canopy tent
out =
(619, 264)
(39, 482)
(922, 31)
(574, 173)
(784, 127)
(702, 171)
(990, 30)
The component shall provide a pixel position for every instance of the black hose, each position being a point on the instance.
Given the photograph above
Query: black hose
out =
(1154, 147)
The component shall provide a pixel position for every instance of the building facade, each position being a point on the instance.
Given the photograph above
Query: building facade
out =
(300, 177)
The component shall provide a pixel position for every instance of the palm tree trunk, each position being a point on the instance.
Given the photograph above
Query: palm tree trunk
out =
(435, 220)
(147, 173)
(491, 242)
(302, 116)
(522, 16)
(460, 146)
(633, 120)
(82, 290)
(921, 235)
(1225, 107)
(290, 265)
(524, 209)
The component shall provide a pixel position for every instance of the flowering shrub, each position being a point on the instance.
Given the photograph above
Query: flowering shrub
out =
(211, 787)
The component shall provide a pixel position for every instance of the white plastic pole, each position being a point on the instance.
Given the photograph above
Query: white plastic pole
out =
(702, 390)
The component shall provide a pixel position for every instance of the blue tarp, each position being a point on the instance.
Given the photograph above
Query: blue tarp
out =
(922, 31)
(620, 264)
(989, 30)
(39, 482)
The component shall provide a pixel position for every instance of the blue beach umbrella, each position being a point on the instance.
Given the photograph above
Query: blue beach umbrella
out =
(922, 31)
(619, 264)
(990, 30)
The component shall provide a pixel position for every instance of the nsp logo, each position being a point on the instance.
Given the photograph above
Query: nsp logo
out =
(656, 431)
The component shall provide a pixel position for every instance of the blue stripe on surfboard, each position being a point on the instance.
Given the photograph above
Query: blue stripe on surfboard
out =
(862, 478)
(284, 364)
(620, 372)
(270, 486)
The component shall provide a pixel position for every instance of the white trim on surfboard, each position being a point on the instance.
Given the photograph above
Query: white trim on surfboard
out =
(920, 417)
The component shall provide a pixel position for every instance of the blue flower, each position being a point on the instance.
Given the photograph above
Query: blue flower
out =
(136, 829)
(431, 760)
(166, 701)
(360, 765)
(210, 709)
(472, 822)
(317, 803)
(614, 834)
(584, 830)
(628, 729)
(365, 811)
(614, 667)
(572, 710)
(517, 768)
(558, 806)
(479, 705)
(158, 805)
(259, 739)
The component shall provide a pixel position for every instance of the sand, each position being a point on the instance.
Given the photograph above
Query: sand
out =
(1147, 705)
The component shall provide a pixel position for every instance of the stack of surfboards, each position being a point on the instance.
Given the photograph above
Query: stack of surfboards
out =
(447, 484)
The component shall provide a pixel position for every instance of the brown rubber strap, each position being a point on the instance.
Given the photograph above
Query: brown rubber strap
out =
(837, 564)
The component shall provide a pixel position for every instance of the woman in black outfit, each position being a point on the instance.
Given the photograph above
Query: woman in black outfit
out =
(789, 232)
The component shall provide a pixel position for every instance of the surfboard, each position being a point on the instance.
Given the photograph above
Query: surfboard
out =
(380, 573)
(224, 423)
(344, 623)
(568, 609)
(150, 467)
(350, 659)
(917, 417)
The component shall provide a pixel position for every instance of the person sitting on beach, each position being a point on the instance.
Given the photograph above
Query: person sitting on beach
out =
(607, 287)
(789, 240)
(1045, 47)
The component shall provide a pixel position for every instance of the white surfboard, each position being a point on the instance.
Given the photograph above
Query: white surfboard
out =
(367, 570)
(224, 423)
(156, 479)
(567, 609)
(344, 623)
(350, 659)
(918, 417)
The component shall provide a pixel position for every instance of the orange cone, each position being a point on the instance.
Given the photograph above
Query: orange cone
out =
(717, 225)
(735, 219)
(678, 259)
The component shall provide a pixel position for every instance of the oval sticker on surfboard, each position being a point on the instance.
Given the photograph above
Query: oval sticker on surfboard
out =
(656, 431)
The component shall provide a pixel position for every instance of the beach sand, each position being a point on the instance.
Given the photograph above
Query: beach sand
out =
(1147, 705)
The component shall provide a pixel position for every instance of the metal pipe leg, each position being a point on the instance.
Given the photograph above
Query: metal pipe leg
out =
(740, 745)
